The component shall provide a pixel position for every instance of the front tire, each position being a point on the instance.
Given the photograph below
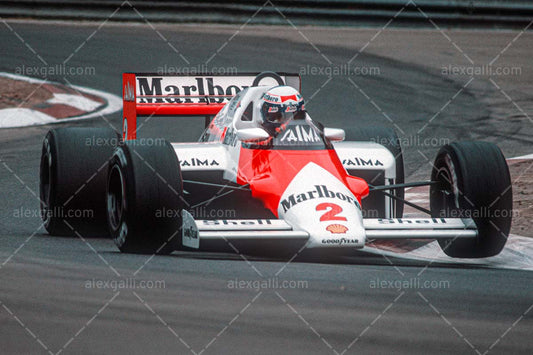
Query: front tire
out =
(145, 197)
(474, 182)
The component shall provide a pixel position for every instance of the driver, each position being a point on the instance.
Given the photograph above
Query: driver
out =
(280, 104)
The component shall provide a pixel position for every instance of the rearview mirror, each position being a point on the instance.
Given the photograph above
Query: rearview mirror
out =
(251, 135)
(334, 134)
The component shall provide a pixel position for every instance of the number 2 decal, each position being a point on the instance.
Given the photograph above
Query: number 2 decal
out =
(332, 210)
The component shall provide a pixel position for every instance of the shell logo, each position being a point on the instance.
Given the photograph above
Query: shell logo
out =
(337, 229)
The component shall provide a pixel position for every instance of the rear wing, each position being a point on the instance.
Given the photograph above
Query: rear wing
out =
(149, 94)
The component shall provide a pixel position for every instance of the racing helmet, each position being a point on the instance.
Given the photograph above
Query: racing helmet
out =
(280, 105)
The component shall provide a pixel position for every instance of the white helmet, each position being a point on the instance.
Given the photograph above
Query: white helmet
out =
(280, 105)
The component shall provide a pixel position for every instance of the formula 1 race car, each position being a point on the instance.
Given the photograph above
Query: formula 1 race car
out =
(262, 175)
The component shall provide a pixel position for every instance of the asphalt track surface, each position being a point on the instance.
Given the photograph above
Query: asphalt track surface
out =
(48, 302)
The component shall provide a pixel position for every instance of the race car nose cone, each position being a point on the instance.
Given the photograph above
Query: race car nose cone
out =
(317, 202)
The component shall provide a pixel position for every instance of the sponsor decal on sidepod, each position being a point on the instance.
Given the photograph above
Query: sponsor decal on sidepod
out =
(198, 162)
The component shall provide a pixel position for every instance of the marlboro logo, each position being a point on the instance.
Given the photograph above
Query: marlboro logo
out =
(337, 229)
(220, 89)
(320, 191)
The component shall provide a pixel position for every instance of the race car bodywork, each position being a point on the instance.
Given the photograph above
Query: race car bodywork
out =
(306, 179)
(301, 185)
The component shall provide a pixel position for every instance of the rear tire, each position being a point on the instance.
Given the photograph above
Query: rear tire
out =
(72, 180)
(145, 197)
(474, 183)
(389, 139)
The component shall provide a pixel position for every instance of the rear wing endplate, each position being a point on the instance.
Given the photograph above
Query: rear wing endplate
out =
(152, 94)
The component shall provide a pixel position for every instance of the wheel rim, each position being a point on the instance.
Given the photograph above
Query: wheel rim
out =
(447, 198)
(445, 191)
(115, 197)
(45, 179)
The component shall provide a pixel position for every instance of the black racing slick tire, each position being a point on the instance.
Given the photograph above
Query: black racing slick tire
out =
(388, 138)
(72, 180)
(145, 197)
(474, 182)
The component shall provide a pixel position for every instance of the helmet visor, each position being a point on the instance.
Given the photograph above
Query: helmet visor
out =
(283, 114)
(278, 117)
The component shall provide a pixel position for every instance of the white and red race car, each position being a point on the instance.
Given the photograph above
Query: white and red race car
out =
(246, 185)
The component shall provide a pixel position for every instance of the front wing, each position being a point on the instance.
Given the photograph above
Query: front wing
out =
(194, 231)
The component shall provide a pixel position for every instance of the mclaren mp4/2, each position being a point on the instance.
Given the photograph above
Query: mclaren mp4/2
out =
(262, 174)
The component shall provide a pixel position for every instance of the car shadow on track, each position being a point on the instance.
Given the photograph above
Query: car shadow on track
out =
(332, 256)
(355, 258)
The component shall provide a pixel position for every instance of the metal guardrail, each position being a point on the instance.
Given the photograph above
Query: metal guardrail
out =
(463, 13)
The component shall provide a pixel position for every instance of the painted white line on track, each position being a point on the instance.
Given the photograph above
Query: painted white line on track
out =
(529, 156)
(23, 117)
(79, 102)
(517, 254)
